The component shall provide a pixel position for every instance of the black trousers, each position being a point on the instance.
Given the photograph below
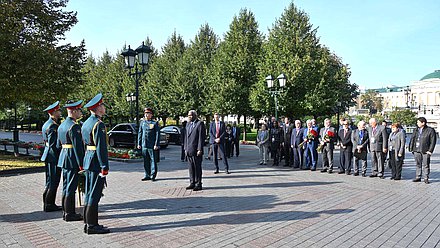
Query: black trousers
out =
(346, 159)
(216, 149)
(236, 144)
(195, 170)
(288, 154)
(298, 159)
(396, 165)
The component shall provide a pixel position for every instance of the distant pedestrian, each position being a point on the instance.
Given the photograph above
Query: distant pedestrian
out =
(263, 144)
(396, 149)
(422, 146)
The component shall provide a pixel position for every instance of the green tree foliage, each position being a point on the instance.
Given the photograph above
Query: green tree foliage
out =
(161, 88)
(235, 66)
(32, 62)
(406, 117)
(317, 79)
(194, 82)
(372, 101)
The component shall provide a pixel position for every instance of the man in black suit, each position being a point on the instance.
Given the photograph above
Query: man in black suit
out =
(359, 138)
(235, 140)
(422, 146)
(217, 131)
(346, 151)
(194, 142)
(295, 140)
(287, 132)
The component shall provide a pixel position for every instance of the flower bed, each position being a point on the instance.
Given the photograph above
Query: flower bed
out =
(123, 153)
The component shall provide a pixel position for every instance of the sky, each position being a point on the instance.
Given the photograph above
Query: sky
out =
(392, 42)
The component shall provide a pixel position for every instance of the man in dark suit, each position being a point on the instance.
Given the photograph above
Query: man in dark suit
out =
(422, 145)
(235, 140)
(385, 158)
(346, 151)
(378, 138)
(359, 138)
(295, 140)
(194, 142)
(327, 139)
(217, 131)
(287, 132)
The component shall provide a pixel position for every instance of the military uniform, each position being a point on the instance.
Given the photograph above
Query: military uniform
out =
(148, 138)
(50, 158)
(96, 166)
(71, 161)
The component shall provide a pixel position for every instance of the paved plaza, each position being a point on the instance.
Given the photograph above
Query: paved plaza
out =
(255, 206)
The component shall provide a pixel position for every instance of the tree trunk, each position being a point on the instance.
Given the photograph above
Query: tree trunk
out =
(244, 129)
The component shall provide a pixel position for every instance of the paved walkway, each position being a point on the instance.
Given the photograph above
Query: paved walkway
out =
(255, 206)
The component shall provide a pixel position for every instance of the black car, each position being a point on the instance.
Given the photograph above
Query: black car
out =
(174, 134)
(125, 134)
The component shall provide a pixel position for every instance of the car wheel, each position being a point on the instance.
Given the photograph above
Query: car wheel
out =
(112, 142)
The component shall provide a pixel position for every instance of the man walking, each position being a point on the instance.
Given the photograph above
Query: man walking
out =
(194, 142)
(148, 141)
(422, 145)
(50, 157)
(217, 131)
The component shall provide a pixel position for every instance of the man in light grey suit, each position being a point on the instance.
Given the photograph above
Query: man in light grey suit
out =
(378, 138)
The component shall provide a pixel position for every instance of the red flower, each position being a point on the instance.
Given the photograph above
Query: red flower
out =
(314, 133)
(331, 134)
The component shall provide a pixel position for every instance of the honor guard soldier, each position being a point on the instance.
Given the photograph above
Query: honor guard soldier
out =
(50, 158)
(71, 158)
(95, 163)
(148, 141)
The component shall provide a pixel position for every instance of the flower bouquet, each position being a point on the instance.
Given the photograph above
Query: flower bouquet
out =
(327, 138)
(310, 137)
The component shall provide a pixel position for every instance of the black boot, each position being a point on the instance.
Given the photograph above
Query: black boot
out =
(63, 206)
(92, 222)
(70, 209)
(44, 198)
(85, 218)
(50, 201)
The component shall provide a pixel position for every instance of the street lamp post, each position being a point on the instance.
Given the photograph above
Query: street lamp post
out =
(130, 97)
(407, 92)
(142, 54)
(275, 90)
(29, 116)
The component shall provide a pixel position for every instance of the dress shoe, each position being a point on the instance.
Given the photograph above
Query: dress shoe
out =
(73, 217)
(52, 208)
(382, 177)
(261, 163)
(216, 172)
(153, 179)
(330, 172)
(417, 180)
(191, 186)
(324, 170)
(97, 229)
(364, 175)
(341, 172)
(397, 178)
(197, 188)
(145, 179)
(356, 174)
(373, 175)
(264, 163)
(313, 169)
(227, 172)
(426, 181)
(391, 178)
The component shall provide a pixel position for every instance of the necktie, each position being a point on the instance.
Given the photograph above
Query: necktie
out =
(217, 132)
(374, 131)
(345, 132)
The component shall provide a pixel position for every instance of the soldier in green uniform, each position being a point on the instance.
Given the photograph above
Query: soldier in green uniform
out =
(50, 157)
(71, 157)
(95, 163)
(148, 141)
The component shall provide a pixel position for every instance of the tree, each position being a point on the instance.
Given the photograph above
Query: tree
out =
(32, 62)
(371, 100)
(235, 67)
(405, 117)
(194, 82)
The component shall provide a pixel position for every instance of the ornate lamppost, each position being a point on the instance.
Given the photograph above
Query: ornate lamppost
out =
(276, 90)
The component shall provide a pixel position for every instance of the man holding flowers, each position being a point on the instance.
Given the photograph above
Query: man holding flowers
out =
(327, 140)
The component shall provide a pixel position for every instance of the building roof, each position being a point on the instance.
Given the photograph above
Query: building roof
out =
(435, 74)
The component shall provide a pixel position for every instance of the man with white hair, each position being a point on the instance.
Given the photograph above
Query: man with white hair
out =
(359, 138)
(378, 140)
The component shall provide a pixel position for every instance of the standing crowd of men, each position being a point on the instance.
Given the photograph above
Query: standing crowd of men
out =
(299, 146)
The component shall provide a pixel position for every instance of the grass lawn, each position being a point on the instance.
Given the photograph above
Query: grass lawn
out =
(8, 162)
